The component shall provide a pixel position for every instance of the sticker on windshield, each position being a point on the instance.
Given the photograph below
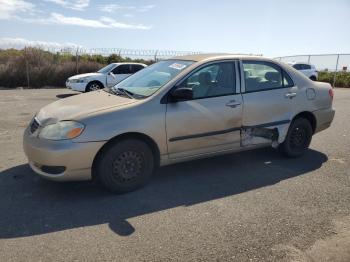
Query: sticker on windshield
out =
(177, 66)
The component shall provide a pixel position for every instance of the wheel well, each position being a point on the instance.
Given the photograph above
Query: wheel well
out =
(309, 116)
(132, 135)
(94, 81)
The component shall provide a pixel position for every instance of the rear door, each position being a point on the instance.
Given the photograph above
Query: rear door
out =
(211, 121)
(118, 74)
(268, 95)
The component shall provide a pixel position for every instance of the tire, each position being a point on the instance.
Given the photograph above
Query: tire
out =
(93, 86)
(125, 166)
(313, 78)
(298, 138)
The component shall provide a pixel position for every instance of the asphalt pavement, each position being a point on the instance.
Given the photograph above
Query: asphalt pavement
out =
(249, 206)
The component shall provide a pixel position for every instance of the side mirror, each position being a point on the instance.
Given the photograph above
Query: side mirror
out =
(182, 94)
(111, 74)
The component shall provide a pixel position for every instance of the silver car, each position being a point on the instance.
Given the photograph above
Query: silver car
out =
(176, 110)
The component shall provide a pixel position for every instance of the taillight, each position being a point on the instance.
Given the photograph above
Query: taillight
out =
(331, 93)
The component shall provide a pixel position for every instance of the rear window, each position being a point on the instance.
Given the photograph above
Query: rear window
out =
(122, 69)
(302, 66)
(135, 68)
(260, 75)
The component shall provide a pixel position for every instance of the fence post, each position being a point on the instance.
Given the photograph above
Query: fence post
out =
(27, 65)
(155, 56)
(77, 61)
(308, 60)
(336, 69)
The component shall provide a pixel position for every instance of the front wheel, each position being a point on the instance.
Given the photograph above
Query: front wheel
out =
(93, 86)
(298, 138)
(125, 165)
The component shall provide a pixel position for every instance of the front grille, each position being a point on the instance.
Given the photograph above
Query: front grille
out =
(34, 126)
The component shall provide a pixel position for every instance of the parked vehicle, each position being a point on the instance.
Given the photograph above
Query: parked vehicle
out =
(307, 69)
(176, 110)
(107, 76)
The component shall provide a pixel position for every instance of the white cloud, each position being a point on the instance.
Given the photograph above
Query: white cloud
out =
(78, 5)
(8, 8)
(128, 15)
(103, 22)
(14, 10)
(19, 43)
(114, 24)
(146, 8)
(112, 8)
(65, 20)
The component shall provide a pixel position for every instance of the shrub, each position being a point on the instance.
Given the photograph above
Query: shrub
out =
(342, 78)
(49, 69)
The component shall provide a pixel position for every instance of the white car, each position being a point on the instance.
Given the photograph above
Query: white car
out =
(107, 76)
(307, 69)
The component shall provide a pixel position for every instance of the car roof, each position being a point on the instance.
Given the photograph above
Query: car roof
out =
(127, 63)
(297, 63)
(217, 56)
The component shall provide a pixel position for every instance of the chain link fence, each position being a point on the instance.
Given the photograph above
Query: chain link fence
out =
(336, 64)
(39, 66)
(145, 54)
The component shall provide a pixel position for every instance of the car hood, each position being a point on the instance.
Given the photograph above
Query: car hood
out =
(80, 105)
(85, 75)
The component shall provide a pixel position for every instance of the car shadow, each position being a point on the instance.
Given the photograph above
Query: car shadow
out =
(66, 95)
(32, 206)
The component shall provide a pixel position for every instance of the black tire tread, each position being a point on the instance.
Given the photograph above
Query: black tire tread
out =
(285, 147)
(104, 172)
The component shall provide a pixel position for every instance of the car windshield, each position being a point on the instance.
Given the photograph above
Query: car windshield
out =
(147, 81)
(106, 69)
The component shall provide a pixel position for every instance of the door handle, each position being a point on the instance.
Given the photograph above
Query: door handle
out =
(290, 95)
(233, 104)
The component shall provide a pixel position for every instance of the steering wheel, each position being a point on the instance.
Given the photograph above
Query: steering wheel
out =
(153, 83)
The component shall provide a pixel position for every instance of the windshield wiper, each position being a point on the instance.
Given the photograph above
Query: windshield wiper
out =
(126, 92)
(119, 92)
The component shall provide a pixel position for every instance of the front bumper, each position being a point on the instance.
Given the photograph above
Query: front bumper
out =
(60, 160)
(76, 86)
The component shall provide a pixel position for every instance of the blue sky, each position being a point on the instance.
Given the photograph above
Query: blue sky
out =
(269, 27)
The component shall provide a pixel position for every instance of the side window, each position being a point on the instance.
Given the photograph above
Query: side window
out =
(297, 66)
(212, 80)
(306, 67)
(260, 75)
(135, 68)
(122, 69)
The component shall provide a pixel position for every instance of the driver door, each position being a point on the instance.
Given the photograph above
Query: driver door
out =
(209, 122)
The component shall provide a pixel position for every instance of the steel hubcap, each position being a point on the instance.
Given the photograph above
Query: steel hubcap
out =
(127, 166)
(298, 137)
(94, 87)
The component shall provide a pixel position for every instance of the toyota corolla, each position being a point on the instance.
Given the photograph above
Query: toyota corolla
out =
(176, 110)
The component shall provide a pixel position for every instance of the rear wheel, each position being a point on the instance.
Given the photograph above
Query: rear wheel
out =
(125, 165)
(93, 86)
(313, 78)
(298, 138)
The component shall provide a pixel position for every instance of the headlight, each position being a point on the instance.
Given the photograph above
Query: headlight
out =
(62, 130)
(80, 80)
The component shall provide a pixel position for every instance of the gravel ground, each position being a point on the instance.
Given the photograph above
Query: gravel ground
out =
(250, 206)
